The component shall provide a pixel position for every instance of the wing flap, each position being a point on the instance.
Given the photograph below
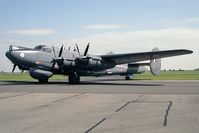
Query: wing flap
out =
(142, 56)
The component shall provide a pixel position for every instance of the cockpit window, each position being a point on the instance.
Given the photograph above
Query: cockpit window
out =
(43, 48)
(39, 47)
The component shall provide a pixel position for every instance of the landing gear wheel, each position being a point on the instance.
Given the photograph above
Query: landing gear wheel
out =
(43, 81)
(127, 78)
(73, 78)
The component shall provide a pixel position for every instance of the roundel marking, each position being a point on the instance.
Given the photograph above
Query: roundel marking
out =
(22, 55)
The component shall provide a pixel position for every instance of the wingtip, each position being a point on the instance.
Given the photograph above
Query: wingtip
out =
(186, 51)
(189, 51)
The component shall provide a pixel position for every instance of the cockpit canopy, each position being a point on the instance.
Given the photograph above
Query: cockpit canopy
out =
(43, 48)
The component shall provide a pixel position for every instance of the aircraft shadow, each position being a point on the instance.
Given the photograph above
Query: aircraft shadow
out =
(116, 84)
(89, 82)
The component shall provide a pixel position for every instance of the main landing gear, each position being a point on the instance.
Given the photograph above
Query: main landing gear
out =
(128, 77)
(73, 78)
(43, 81)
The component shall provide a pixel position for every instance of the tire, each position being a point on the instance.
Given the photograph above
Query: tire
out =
(43, 81)
(73, 78)
(127, 78)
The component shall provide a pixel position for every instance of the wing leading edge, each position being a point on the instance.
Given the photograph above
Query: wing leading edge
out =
(142, 56)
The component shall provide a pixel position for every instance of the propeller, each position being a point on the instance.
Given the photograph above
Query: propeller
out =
(61, 50)
(84, 59)
(86, 50)
(54, 51)
(77, 48)
(55, 60)
(14, 66)
(60, 59)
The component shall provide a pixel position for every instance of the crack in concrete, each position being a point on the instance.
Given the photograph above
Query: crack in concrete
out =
(167, 113)
(122, 107)
(67, 98)
(87, 131)
(13, 96)
(105, 118)
(126, 104)
(55, 101)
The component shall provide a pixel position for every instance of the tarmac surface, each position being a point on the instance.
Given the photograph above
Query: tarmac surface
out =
(100, 106)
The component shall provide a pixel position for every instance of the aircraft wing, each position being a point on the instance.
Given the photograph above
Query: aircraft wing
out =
(142, 56)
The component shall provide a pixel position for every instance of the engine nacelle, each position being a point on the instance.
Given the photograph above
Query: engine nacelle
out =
(40, 74)
(68, 64)
(155, 64)
(136, 68)
(94, 63)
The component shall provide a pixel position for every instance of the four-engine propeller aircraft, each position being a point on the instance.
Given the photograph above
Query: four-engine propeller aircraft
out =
(42, 62)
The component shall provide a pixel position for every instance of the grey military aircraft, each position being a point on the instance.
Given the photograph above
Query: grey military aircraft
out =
(43, 61)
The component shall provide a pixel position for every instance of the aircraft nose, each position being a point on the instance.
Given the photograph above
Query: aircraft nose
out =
(8, 54)
(12, 55)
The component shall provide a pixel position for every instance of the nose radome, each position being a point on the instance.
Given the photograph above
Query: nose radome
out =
(8, 55)
(12, 55)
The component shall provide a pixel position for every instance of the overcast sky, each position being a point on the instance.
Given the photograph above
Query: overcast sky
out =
(109, 25)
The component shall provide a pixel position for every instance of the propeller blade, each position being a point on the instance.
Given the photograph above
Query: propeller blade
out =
(14, 66)
(61, 50)
(77, 48)
(86, 50)
(54, 51)
(53, 65)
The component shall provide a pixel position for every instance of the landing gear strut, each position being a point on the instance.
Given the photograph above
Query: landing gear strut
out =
(73, 78)
(128, 77)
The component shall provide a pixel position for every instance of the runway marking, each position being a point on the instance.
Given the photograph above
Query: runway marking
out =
(167, 113)
(13, 96)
